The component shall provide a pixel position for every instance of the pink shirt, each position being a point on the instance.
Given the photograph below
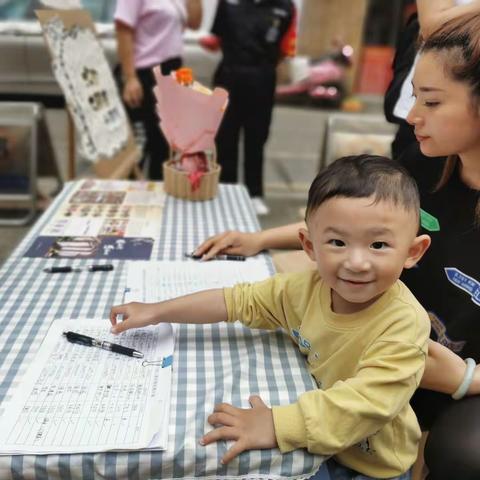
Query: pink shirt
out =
(158, 26)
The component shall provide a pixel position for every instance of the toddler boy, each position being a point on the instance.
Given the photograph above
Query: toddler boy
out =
(364, 335)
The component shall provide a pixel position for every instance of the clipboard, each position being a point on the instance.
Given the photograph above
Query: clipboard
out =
(125, 161)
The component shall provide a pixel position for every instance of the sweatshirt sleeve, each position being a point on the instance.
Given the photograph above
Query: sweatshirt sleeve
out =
(258, 305)
(328, 421)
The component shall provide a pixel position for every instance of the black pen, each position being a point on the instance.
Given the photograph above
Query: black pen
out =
(238, 258)
(64, 269)
(104, 267)
(75, 337)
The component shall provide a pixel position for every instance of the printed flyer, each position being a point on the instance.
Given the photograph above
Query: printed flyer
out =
(117, 219)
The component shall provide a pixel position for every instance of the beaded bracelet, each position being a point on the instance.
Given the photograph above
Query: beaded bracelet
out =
(462, 390)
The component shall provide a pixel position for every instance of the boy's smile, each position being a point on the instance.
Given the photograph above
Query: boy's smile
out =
(361, 248)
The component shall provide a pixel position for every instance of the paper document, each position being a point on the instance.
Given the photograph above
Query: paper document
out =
(76, 398)
(157, 281)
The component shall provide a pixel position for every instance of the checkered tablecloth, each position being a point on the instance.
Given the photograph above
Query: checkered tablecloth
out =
(212, 363)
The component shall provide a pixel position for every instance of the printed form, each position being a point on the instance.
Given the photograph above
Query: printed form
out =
(163, 280)
(84, 399)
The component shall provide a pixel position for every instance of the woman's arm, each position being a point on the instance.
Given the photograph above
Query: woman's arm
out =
(194, 14)
(132, 89)
(282, 237)
(444, 371)
(433, 13)
(241, 243)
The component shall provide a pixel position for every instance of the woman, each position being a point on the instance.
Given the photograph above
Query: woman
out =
(398, 97)
(446, 120)
(150, 33)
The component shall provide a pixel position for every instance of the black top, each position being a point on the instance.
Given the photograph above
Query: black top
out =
(251, 31)
(405, 52)
(447, 279)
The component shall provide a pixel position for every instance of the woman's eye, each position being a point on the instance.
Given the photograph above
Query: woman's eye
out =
(379, 245)
(336, 243)
(431, 104)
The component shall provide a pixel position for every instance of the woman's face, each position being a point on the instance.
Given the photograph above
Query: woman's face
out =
(444, 117)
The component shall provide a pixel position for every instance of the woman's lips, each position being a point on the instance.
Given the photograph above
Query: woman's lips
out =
(420, 138)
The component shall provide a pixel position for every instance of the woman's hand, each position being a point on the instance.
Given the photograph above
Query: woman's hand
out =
(251, 428)
(231, 242)
(133, 92)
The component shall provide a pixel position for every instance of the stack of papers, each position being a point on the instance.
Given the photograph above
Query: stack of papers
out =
(84, 399)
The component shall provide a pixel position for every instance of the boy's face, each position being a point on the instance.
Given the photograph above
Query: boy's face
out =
(361, 248)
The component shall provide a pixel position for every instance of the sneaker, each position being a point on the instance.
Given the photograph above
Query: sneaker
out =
(259, 206)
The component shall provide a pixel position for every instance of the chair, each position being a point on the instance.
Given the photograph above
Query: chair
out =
(23, 140)
(353, 133)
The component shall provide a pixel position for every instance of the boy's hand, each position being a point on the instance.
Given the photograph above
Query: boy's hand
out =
(135, 315)
(250, 428)
(230, 242)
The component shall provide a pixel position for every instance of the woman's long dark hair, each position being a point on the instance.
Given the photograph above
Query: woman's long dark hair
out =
(458, 43)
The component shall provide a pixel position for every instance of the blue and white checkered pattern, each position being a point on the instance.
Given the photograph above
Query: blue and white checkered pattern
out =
(213, 363)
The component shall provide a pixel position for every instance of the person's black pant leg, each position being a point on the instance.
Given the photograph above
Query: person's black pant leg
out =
(228, 134)
(258, 99)
(452, 448)
(156, 144)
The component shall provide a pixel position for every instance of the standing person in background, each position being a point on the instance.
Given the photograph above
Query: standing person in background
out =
(150, 33)
(250, 34)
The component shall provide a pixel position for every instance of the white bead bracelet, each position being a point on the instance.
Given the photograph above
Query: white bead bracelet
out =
(462, 390)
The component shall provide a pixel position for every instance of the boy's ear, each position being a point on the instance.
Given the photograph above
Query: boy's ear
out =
(418, 247)
(307, 244)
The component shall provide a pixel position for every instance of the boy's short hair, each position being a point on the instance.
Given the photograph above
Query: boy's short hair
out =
(363, 176)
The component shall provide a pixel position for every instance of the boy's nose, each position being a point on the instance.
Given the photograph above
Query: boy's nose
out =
(357, 261)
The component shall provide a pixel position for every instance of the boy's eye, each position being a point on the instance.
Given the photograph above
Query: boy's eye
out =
(379, 245)
(336, 242)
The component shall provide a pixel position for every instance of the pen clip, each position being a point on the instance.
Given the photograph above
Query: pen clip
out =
(164, 362)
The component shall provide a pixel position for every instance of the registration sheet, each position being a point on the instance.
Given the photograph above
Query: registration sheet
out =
(76, 398)
(158, 281)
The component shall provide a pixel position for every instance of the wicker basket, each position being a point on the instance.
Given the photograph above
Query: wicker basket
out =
(175, 182)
